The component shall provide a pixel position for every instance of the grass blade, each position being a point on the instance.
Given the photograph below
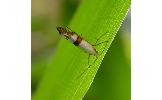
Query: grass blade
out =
(63, 79)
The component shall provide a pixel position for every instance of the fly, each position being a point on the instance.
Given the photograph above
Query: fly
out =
(78, 41)
(81, 43)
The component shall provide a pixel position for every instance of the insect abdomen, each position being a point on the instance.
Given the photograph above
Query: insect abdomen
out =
(84, 45)
(87, 47)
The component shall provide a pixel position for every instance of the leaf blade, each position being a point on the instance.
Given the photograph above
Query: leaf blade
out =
(93, 18)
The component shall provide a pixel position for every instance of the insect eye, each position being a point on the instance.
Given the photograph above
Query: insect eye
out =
(59, 30)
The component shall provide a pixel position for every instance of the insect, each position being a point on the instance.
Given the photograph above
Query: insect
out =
(81, 43)
(78, 41)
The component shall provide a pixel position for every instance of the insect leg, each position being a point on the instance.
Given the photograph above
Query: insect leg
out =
(89, 65)
(92, 63)
(86, 69)
(103, 48)
(100, 43)
(97, 45)
(88, 58)
(100, 37)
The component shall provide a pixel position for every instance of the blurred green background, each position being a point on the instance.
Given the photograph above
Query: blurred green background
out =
(113, 80)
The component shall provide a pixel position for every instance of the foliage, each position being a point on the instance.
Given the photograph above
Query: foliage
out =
(63, 79)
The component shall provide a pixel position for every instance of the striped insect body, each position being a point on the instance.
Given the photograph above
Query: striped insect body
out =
(88, 48)
(82, 43)
(77, 41)
(73, 38)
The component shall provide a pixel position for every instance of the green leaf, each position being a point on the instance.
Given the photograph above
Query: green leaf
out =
(69, 76)
(113, 81)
